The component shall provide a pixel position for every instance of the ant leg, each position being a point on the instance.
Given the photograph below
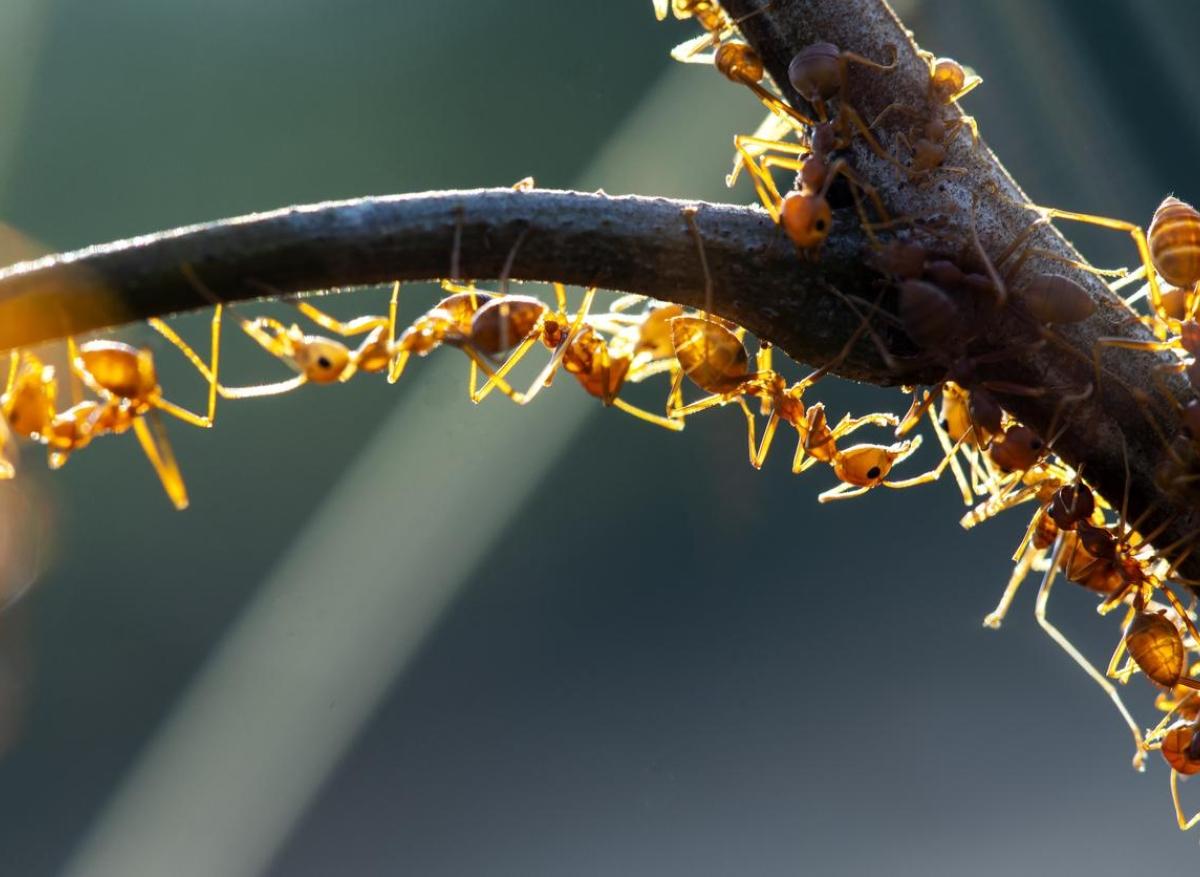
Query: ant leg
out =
(770, 129)
(1139, 239)
(688, 52)
(876, 147)
(209, 371)
(673, 424)
(849, 424)
(764, 183)
(356, 326)
(972, 83)
(153, 437)
(1000, 502)
(841, 166)
(750, 429)
(1183, 613)
(1020, 572)
(917, 410)
(1134, 344)
(1184, 822)
(842, 491)
(544, 376)
(625, 302)
(258, 391)
(776, 105)
(1159, 730)
(496, 376)
(892, 108)
(1055, 634)
(757, 459)
(950, 449)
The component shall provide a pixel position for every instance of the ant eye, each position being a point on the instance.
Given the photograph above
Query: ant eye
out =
(873, 472)
(323, 362)
(820, 226)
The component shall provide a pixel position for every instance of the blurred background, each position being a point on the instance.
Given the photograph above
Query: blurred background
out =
(399, 634)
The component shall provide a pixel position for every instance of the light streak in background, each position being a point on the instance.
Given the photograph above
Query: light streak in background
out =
(285, 694)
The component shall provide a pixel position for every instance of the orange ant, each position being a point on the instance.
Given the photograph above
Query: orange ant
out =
(818, 73)
(129, 397)
(714, 358)
(708, 14)
(949, 82)
(319, 359)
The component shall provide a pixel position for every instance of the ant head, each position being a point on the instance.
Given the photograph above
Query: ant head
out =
(868, 465)
(738, 62)
(815, 71)
(1020, 449)
(322, 360)
(806, 219)
(947, 78)
(1071, 504)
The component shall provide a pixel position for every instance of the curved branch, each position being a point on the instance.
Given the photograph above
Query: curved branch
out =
(635, 244)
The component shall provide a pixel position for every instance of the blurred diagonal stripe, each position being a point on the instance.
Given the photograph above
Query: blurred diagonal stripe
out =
(282, 698)
(22, 31)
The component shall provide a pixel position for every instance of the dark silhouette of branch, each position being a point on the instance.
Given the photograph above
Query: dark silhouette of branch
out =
(644, 245)
(634, 244)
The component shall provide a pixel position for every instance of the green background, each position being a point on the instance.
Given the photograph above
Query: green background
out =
(396, 634)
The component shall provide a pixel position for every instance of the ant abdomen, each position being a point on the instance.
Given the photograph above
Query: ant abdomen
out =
(1155, 645)
(929, 315)
(504, 322)
(1175, 242)
(1053, 298)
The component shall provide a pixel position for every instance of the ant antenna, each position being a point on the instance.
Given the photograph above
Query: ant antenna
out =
(512, 257)
(456, 249)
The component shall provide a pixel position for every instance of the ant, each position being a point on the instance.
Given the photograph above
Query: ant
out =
(714, 358)
(126, 383)
(818, 73)
(949, 83)
(708, 14)
(129, 396)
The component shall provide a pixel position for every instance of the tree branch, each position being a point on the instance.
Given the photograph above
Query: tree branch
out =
(634, 244)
